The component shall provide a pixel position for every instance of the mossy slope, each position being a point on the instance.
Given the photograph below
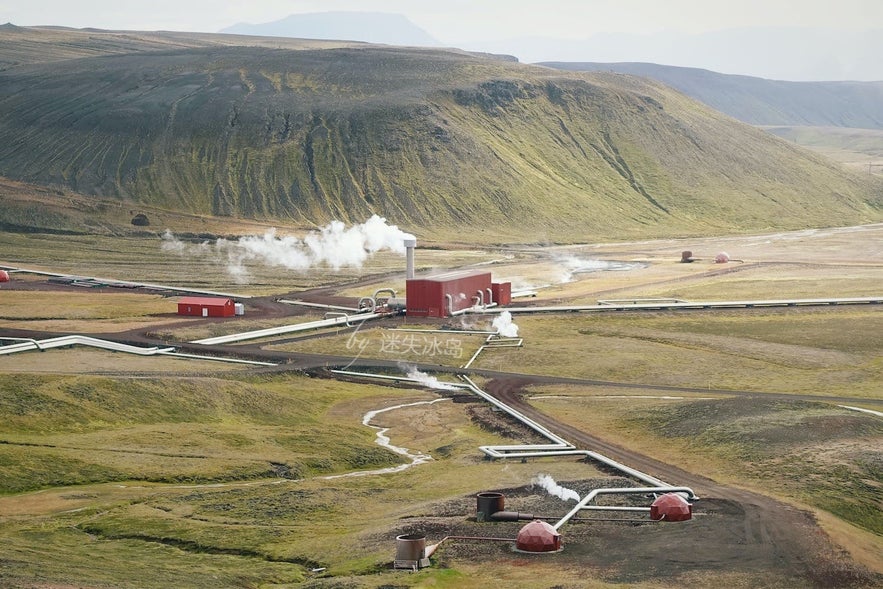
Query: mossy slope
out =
(423, 137)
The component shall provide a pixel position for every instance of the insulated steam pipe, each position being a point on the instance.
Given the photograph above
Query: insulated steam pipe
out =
(70, 340)
(273, 331)
(390, 291)
(451, 311)
(621, 491)
(495, 341)
(430, 550)
(23, 339)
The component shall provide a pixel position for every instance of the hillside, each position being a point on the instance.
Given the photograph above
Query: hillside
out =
(759, 101)
(428, 138)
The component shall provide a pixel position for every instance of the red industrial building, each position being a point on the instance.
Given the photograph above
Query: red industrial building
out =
(206, 307)
(443, 295)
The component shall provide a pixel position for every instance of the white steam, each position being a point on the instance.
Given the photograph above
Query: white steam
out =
(334, 246)
(504, 325)
(548, 483)
(569, 266)
(427, 380)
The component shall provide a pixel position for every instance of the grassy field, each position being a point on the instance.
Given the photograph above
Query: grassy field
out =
(855, 147)
(807, 352)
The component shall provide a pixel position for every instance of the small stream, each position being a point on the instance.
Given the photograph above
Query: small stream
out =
(384, 441)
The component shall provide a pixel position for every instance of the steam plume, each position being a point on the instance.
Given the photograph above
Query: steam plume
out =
(572, 265)
(548, 483)
(335, 246)
(504, 325)
(427, 380)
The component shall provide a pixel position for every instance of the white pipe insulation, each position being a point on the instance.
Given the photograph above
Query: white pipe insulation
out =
(622, 491)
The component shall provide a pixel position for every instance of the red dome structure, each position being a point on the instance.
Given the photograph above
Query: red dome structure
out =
(4, 276)
(671, 507)
(538, 536)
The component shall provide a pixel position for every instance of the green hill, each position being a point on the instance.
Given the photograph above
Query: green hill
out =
(435, 139)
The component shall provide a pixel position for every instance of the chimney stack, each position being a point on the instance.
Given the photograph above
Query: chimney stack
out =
(410, 244)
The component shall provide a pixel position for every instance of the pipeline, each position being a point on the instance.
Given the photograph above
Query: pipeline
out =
(238, 337)
(24, 339)
(320, 305)
(70, 340)
(430, 550)
(390, 291)
(622, 491)
(495, 341)
(82, 340)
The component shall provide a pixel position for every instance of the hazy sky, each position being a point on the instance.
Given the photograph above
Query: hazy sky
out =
(660, 31)
(455, 21)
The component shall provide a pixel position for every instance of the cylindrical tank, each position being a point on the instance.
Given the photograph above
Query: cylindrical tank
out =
(489, 503)
(538, 536)
(4, 276)
(671, 507)
(410, 547)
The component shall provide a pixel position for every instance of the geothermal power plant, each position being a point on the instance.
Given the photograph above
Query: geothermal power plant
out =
(443, 295)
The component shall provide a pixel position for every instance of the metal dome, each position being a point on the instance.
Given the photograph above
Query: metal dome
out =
(671, 507)
(538, 536)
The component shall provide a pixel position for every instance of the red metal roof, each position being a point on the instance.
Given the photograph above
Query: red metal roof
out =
(453, 275)
(207, 301)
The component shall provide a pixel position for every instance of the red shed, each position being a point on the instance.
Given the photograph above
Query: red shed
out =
(440, 295)
(206, 307)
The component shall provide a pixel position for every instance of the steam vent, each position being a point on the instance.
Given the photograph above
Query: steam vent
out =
(538, 536)
(411, 552)
(489, 503)
(671, 507)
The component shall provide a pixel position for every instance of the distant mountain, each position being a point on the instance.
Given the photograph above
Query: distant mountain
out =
(436, 140)
(763, 102)
(370, 27)
(776, 53)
